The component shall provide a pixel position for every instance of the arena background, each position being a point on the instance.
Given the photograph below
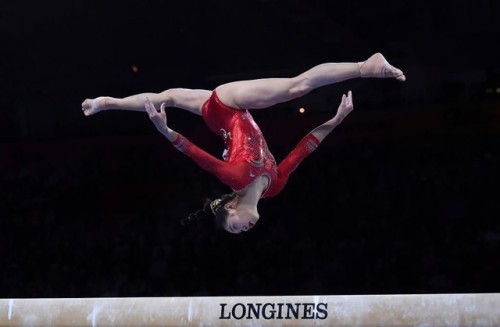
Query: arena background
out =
(401, 198)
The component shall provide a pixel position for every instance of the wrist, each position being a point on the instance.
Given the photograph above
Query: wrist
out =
(337, 119)
(170, 134)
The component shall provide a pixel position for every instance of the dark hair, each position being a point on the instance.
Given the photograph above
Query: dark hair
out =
(207, 212)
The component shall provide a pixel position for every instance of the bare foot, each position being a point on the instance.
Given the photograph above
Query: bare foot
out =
(93, 106)
(377, 66)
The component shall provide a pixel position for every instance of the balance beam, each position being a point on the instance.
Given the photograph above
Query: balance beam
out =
(350, 310)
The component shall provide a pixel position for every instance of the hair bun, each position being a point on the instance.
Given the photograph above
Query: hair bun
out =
(199, 215)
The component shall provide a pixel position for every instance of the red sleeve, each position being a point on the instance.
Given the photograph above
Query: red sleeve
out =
(305, 147)
(227, 173)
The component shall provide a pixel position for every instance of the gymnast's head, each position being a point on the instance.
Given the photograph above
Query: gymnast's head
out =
(229, 214)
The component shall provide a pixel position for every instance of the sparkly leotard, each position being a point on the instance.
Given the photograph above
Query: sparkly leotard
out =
(246, 155)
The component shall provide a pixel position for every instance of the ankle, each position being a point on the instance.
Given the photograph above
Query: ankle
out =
(360, 64)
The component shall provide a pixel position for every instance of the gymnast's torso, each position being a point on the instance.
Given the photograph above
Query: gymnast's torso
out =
(245, 146)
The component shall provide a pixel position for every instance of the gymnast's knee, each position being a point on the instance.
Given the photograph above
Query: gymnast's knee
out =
(301, 85)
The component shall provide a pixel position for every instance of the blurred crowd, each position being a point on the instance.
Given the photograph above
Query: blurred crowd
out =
(100, 217)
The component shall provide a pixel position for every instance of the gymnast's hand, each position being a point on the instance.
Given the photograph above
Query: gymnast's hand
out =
(346, 106)
(159, 118)
(344, 109)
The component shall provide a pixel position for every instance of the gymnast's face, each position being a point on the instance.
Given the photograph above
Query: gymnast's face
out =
(239, 221)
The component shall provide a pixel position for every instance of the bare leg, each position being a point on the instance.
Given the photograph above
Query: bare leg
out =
(264, 93)
(187, 99)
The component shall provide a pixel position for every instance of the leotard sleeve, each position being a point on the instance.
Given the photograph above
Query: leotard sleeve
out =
(231, 174)
(304, 148)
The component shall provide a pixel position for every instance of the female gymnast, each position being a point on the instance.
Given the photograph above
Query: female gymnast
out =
(248, 167)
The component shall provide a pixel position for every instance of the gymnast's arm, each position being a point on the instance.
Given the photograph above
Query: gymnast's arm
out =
(345, 107)
(311, 141)
(226, 173)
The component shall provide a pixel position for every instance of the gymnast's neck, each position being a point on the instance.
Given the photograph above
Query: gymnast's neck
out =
(250, 195)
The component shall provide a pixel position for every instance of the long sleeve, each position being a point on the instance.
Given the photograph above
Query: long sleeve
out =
(228, 173)
(304, 148)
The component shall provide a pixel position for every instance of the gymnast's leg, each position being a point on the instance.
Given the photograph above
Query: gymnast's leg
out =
(264, 93)
(187, 99)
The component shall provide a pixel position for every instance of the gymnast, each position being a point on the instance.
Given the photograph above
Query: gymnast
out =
(248, 167)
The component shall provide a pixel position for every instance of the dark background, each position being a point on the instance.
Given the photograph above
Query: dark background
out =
(401, 198)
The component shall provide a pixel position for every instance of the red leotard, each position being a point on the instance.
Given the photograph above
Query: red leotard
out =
(246, 155)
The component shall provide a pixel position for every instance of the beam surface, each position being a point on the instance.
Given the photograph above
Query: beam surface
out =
(349, 310)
